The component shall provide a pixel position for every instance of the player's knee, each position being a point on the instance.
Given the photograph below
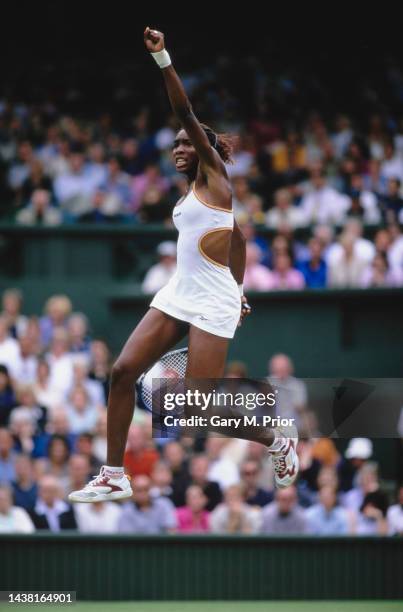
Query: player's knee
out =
(122, 373)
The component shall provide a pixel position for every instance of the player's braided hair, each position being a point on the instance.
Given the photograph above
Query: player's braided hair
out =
(222, 143)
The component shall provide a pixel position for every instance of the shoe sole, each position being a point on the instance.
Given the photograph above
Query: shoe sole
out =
(101, 497)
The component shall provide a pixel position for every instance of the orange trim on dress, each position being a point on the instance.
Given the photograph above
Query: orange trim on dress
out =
(206, 203)
(203, 254)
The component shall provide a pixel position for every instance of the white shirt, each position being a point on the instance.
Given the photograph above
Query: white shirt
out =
(70, 185)
(392, 168)
(324, 205)
(10, 356)
(52, 514)
(224, 472)
(395, 254)
(395, 519)
(104, 520)
(16, 521)
(363, 249)
(26, 369)
(61, 372)
(292, 217)
(156, 277)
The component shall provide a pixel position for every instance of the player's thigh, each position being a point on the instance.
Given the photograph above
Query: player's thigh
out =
(156, 334)
(207, 354)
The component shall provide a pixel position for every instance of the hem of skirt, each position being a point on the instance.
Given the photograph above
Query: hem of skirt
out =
(191, 321)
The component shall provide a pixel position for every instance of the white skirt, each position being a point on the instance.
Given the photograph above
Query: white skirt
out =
(214, 309)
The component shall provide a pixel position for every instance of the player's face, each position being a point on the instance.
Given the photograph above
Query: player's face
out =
(184, 154)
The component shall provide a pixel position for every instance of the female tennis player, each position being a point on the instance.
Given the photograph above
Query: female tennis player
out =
(204, 299)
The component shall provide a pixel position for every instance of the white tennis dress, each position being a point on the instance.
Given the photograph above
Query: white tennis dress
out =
(202, 291)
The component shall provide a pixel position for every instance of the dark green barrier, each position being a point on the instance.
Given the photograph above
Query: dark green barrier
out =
(204, 567)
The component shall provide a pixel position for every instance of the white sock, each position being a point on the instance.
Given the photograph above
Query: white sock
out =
(114, 472)
(278, 442)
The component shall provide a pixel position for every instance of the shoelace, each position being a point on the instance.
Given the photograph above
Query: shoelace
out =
(279, 464)
(102, 479)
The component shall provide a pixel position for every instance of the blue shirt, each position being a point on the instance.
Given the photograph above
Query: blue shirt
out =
(314, 278)
(321, 522)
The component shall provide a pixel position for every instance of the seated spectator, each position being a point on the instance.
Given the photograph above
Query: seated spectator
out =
(161, 478)
(326, 517)
(146, 514)
(284, 515)
(98, 518)
(9, 349)
(60, 361)
(77, 328)
(257, 277)
(7, 396)
(234, 515)
(39, 211)
(314, 269)
(117, 183)
(12, 305)
(371, 518)
(82, 414)
(142, 183)
(20, 168)
(75, 188)
(81, 378)
(102, 208)
(27, 364)
(284, 276)
(57, 310)
(95, 167)
(175, 458)
(57, 459)
(292, 394)
(36, 181)
(364, 204)
(198, 470)
(254, 495)
(59, 425)
(7, 457)
(160, 273)
(221, 470)
(84, 446)
(100, 443)
(51, 512)
(322, 203)
(25, 489)
(378, 274)
(246, 204)
(392, 203)
(193, 518)
(357, 454)
(12, 518)
(367, 482)
(26, 439)
(392, 164)
(78, 473)
(29, 407)
(46, 394)
(395, 515)
(100, 366)
(347, 271)
(284, 213)
(140, 456)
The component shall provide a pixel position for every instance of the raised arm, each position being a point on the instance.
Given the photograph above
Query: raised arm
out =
(209, 158)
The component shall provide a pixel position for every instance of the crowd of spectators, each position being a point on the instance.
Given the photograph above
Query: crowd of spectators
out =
(53, 396)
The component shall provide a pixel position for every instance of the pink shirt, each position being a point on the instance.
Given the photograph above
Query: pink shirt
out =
(187, 524)
(292, 279)
(257, 278)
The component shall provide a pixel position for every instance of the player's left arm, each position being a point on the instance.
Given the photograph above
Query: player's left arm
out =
(237, 259)
(210, 161)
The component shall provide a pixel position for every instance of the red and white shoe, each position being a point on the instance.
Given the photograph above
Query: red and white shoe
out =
(103, 488)
(285, 460)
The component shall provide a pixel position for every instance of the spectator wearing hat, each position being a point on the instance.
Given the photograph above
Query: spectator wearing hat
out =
(159, 274)
(358, 451)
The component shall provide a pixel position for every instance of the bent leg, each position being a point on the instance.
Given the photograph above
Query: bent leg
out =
(207, 356)
(156, 334)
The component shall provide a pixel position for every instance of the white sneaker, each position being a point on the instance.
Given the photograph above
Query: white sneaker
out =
(103, 488)
(285, 460)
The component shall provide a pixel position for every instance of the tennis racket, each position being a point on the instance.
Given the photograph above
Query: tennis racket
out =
(171, 365)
